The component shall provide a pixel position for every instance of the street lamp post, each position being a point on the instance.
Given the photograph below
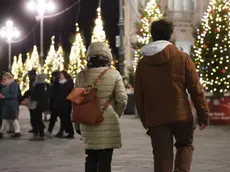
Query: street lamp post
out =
(41, 6)
(121, 59)
(9, 31)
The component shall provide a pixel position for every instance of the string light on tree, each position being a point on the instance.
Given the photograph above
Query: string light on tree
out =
(148, 15)
(211, 51)
(77, 58)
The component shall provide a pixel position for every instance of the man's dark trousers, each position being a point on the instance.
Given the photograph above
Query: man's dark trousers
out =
(162, 143)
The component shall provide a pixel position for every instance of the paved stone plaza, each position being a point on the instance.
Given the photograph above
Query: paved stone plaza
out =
(212, 151)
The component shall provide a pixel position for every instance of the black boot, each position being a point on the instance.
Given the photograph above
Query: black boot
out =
(10, 132)
(59, 135)
(69, 136)
(16, 135)
(1, 135)
(31, 131)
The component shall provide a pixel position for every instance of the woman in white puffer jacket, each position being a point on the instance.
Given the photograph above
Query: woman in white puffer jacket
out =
(100, 140)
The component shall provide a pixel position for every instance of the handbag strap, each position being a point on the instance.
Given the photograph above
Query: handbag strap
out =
(106, 106)
(98, 78)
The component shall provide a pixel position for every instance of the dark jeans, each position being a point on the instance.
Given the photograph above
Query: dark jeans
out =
(53, 119)
(31, 119)
(162, 143)
(98, 160)
(37, 122)
(66, 124)
(0, 118)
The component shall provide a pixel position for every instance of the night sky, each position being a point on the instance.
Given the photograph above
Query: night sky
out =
(62, 26)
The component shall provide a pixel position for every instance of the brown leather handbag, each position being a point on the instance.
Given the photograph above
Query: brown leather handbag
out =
(85, 104)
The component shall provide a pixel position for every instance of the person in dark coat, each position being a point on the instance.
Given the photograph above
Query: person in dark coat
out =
(1, 102)
(38, 103)
(9, 96)
(64, 106)
(24, 99)
(53, 99)
(11, 128)
(32, 77)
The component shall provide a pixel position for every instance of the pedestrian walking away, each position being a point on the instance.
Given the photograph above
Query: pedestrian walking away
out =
(163, 77)
(37, 103)
(101, 140)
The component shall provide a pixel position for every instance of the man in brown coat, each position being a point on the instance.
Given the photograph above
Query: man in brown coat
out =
(163, 77)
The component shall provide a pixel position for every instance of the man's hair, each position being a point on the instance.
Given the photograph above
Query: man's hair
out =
(161, 30)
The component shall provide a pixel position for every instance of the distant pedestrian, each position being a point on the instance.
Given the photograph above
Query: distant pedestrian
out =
(53, 102)
(9, 96)
(1, 101)
(11, 128)
(38, 102)
(100, 140)
(32, 77)
(163, 77)
(64, 106)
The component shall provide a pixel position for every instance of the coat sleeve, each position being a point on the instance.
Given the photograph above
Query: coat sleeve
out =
(120, 96)
(138, 95)
(13, 91)
(78, 80)
(69, 87)
(196, 92)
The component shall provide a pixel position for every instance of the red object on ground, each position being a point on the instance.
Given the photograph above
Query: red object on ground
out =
(219, 111)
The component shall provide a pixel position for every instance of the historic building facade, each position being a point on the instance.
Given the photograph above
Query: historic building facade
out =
(185, 14)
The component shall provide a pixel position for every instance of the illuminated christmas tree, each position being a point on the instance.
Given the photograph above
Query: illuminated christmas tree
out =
(99, 33)
(77, 58)
(59, 61)
(27, 67)
(20, 72)
(148, 15)
(14, 68)
(50, 64)
(34, 60)
(211, 51)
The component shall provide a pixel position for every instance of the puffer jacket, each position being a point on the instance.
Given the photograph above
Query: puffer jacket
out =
(163, 77)
(106, 135)
(9, 108)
